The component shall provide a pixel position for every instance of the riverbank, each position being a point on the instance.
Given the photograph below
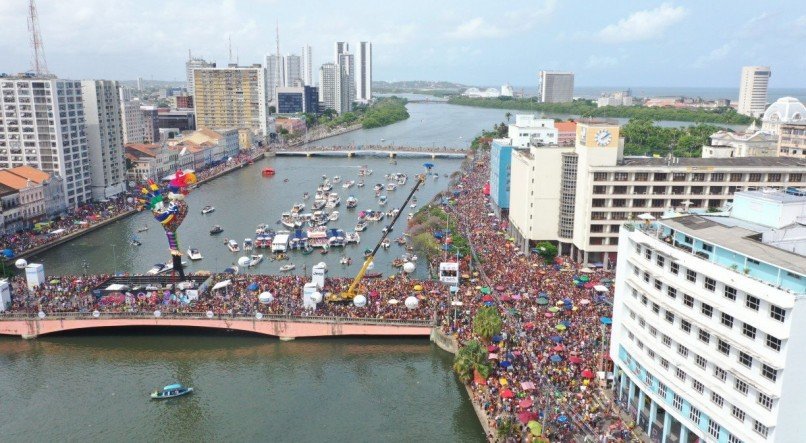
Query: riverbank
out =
(310, 139)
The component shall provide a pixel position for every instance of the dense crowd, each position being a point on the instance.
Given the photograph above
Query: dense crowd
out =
(337, 148)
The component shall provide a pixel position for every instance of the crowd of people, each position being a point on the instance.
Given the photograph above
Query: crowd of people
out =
(338, 148)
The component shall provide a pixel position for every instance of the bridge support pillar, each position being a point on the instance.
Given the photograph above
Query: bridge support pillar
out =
(350, 154)
(28, 336)
(308, 154)
(282, 338)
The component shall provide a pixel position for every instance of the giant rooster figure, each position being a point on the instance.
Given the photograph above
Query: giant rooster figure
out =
(168, 206)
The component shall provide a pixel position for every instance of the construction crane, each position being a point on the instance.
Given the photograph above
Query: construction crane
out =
(352, 291)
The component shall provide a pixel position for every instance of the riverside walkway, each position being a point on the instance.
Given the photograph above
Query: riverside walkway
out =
(371, 151)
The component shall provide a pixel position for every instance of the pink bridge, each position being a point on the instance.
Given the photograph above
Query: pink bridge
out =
(284, 327)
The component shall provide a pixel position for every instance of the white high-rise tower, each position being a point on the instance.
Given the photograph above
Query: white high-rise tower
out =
(363, 74)
(307, 66)
(753, 90)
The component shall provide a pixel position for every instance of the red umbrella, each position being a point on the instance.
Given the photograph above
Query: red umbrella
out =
(499, 288)
(492, 348)
(487, 298)
(558, 348)
(588, 285)
(528, 326)
(506, 298)
(507, 393)
(587, 373)
(526, 417)
(575, 360)
(525, 403)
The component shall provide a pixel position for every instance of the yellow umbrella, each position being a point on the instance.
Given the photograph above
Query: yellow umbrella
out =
(418, 287)
(535, 428)
(559, 302)
(475, 274)
(575, 308)
(503, 381)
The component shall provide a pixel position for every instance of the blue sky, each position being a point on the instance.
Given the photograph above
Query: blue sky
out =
(635, 43)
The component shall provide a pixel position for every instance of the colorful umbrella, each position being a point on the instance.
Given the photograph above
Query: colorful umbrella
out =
(507, 393)
(492, 348)
(492, 356)
(505, 364)
(528, 326)
(487, 298)
(556, 338)
(554, 309)
(525, 403)
(542, 301)
(606, 320)
(587, 373)
(560, 327)
(548, 315)
(562, 419)
(535, 428)
(558, 348)
(503, 381)
(556, 358)
(527, 385)
(525, 417)
(499, 288)
(575, 360)
(584, 301)
(486, 290)
(497, 338)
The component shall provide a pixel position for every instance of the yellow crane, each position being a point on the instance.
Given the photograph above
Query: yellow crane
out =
(352, 291)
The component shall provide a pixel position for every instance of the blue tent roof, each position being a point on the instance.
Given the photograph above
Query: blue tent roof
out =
(253, 287)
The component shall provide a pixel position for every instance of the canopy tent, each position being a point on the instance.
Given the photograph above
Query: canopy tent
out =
(221, 285)
(527, 385)
(606, 320)
(600, 288)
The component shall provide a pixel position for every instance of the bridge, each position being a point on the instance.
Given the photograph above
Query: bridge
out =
(371, 151)
(435, 101)
(282, 326)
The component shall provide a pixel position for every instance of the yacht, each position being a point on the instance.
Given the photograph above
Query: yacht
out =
(334, 216)
(232, 245)
(247, 244)
(255, 260)
(352, 202)
(207, 209)
(336, 179)
(391, 187)
(353, 238)
(297, 208)
(194, 254)
(361, 226)
(382, 200)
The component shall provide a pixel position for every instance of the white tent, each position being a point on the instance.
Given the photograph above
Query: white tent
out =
(601, 288)
(221, 285)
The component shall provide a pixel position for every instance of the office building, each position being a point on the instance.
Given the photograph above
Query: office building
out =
(345, 83)
(327, 86)
(43, 127)
(104, 129)
(530, 129)
(132, 121)
(275, 75)
(181, 101)
(151, 129)
(182, 120)
(785, 110)
(753, 90)
(231, 97)
(192, 64)
(311, 102)
(707, 329)
(792, 140)
(580, 196)
(307, 66)
(299, 99)
(140, 84)
(500, 172)
(363, 73)
(292, 69)
(340, 48)
(556, 87)
(620, 98)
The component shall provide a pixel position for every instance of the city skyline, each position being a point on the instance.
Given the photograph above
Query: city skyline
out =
(653, 44)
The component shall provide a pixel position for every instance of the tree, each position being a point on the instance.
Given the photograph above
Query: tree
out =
(506, 427)
(272, 109)
(472, 357)
(508, 115)
(546, 250)
(487, 322)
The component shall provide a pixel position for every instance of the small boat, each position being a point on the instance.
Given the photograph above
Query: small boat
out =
(377, 187)
(360, 183)
(297, 208)
(345, 260)
(231, 270)
(336, 179)
(386, 244)
(207, 209)
(247, 244)
(135, 241)
(352, 202)
(367, 253)
(255, 260)
(325, 249)
(382, 200)
(334, 216)
(232, 245)
(156, 269)
(352, 237)
(268, 172)
(361, 226)
(171, 391)
(400, 241)
(305, 196)
(307, 251)
(413, 205)
(348, 184)
(194, 254)
(398, 262)
(288, 267)
(216, 230)
(373, 275)
(142, 228)
(391, 186)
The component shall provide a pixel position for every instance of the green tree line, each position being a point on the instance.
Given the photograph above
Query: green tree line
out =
(385, 111)
(643, 137)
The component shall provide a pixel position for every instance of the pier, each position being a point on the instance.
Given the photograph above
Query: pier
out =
(372, 151)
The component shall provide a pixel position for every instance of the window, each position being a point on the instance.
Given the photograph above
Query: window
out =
(713, 428)
(723, 346)
(674, 268)
(700, 361)
(661, 389)
(769, 373)
(677, 401)
(765, 400)
(727, 320)
(691, 275)
(688, 300)
(653, 331)
(671, 292)
(655, 308)
(717, 399)
(737, 413)
(707, 310)
(644, 300)
(646, 277)
(667, 341)
(751, 302)
(734, 439)
(749, 331)
(659, 260)
(685, 325)
(664, 363)
(694, 415)
(681, 374)
(682, 350)
(650, 353)
(669, 317)
(658, 284)
(730, 292)
(740, 386)
(773, 343)
(745, 359)
(704, 336)
(760, 429)
(710, 284)
(777, 313)
(699, 387)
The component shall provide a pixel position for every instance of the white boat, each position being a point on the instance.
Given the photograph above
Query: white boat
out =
(413, 205)
(232, 245)
(386, 243)
(361, 226)
(288, 267)
(207, 209)
(334, 216)
(255, 260)
(290, 221)
(401, 179)
(377, 187)
(247, 244)
(305, 196)
(194, 254)
(360, 183)
(297, 208)
(280, 241)
(352, 202)
(231, 270)
(352, 237)
(333, 201)
(163, 268)
(142, 228)
(391, 186)
(336, 179)
(326, 186)
(348, 184)
(345, 260)
(382, 200)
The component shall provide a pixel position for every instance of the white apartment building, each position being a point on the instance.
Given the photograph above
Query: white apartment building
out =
(363, 74)
(190, 65)
(327, 85)
(620, 98)
(792, 140)
(556, 87)
(307, 66)
(530, 129)
(580, 196)
(231, 97)
(707, 332)
(131, 118)
(339, 49)
(292, 70)
(104, 137)
(753, 90)
(42, 125)
(345, 83)
(275, 74)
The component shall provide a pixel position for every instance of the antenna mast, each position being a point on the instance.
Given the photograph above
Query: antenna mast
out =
(39, 64)
(229, 37)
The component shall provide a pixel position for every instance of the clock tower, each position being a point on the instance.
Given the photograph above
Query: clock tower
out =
(597, 135)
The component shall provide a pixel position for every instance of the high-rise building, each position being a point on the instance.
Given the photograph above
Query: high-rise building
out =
(327, 86)
(104, 130)
(192, 64)
(753, 90)
(151, 129)
(133, 122)
(706, 323)
(307, 66)
(292, 68)
(297, 99)
(140, 85)
(55, 144)
(231, 97)
(340, 48)
(345, 83)
(363, 75)
(275, 75)
(556, 87)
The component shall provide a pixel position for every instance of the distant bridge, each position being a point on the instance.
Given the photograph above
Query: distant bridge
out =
(429, 101)
(372, 151)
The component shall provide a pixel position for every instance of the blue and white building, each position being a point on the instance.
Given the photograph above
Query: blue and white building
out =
(500, 172)
(708, 336)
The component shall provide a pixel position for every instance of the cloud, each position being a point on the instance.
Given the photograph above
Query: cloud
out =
(512, 22)
(714, 56)
(643, 25)
(601, 62)
(474, 28)
(799, 25)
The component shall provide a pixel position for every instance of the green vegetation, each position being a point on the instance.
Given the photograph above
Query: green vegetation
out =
(643, 137)
(587, 108)
(487, 322)
(483, 141)
(546, 250)
(385, 111)
(472, 357)
(425, 223)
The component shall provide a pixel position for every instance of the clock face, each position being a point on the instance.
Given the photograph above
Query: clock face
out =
(603, 137)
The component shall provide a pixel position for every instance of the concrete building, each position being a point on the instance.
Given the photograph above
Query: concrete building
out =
(290, 100)
(556, 87)
(363, 72)
(566, 133)
(275, 75)
(707, 334)
(231, 97)
(151, 128)
(182, 120)
(292, 69)
(181, 101)
(792, 140)
(500, 172)
(753, 90)
(104, 127)
(206, 147)
(327, 86)
(345, 83)
(620, 98)
(307, 66)
(43, 127)
(10, 214)
(530, 129)
(150, 161)
(785, 110)
(478, 93)
(580, 196)
(339, 49)
(131, 119)
(725, 144)
(51, 185)
(31, 199)
(507, 91)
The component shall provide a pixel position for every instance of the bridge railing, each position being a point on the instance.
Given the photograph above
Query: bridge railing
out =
(384, 148)
(9, 316)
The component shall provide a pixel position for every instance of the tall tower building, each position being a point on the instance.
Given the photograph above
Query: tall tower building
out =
(104, 130)
(345, 83)
(327, 86)
(231, 97)
(753, 90)
(363, 75)
(275, 75)
(56, 143)
(556, 87)
(292, 68)
(340, 48)
(307, 66)
(192, 64)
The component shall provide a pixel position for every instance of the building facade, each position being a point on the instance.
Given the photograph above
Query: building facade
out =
(275, 75)
(620, 98)
(363, 74)
(104, 127)
(556, 87)
(150, 161)
(292, 69)
(290, 100)
(151, 128)
(530, 129)
(500, 172)
(753, 90)
(231, 97)
(182, 120)
(192, 64)
(43, 126)
(785, 110)
(307, 66)
(705, 335)
(725, 144)
(792, 140)
(327, 86)
(566, 133)
(132, 121)
(345, 83)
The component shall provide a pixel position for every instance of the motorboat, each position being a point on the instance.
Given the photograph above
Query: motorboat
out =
(156, 269)
(348, 184)
(401, 178)
(268, 172)
(297, 208)
(397, 263)
(325, 249)
(360, 183)
(382, 200)
(319, 203)
(377, 187)
(373, 275)
(231, 270)
(336, 179)
(255, 260)
(305, 195)
(194, 254)
(361, 226)
(333, 201)
(386, 244)
(391, 186)
(232, 245)
(352, 238)
(247, 244)
(413, 205)
(318, 218)
(345, 260)
(334, 216)
(207, 209)
(264, 240)
(335, 237)
(400, 241)
(374, 216)
(352, 202)
(171, 391)
(307, 251)
(216, 230)
(364, 172)
(135, 242)
(290, 221)
(288, 267)
(326, 186)
(299, 240)
(142, 228)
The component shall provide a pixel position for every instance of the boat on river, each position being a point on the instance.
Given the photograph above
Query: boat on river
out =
(373, 275)
(171, 391)
(232, 245)
(194, 254)
(247, 244)
(207, 209)
(348, 184)
(255, 260)
(142, 228)
(360, 183)
(288, 267)
(336, 179)
(334, 216)
(352, 202)
(382, 200)
(352, 238)
(361, 226)
(216, 229)
(391, 186)
(268, 172)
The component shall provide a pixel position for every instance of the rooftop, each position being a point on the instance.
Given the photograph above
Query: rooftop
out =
(15, 181)
(793, 195)
(758, 162)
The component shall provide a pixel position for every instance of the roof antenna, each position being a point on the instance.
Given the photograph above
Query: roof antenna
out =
(230, 47)
(40, 65)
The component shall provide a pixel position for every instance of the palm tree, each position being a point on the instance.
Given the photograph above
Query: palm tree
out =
(487, 323)
(508, 115)
(472, 357)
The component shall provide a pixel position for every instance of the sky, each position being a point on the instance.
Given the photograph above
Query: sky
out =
(476, 42)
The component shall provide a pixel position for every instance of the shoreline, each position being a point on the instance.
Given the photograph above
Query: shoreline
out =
(341, 131)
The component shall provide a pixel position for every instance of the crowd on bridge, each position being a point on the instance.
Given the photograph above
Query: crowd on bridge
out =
(385, 148)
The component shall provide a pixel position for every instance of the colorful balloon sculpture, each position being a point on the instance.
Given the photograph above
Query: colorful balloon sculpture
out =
(167, 204)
